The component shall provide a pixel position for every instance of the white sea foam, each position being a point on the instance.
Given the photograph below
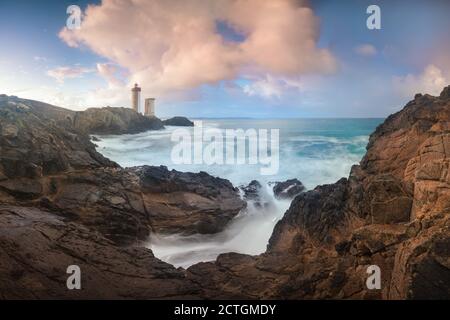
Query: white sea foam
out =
(248, 233)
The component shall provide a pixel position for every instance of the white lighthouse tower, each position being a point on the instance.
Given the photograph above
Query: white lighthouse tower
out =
(136, 97)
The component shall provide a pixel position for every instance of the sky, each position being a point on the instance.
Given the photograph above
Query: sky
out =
(227, 58)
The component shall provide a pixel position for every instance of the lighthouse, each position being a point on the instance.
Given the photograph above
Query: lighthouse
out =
(135, 97)
(149, 109)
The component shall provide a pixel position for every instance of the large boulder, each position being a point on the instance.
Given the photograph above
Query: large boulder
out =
(187, 203)
(179, 122)
(288, 189)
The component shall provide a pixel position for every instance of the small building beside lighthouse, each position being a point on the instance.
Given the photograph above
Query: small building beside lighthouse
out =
(149, 109)
(135, 97)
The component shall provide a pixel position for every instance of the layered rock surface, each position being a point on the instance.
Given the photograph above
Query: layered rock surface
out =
(37, 247)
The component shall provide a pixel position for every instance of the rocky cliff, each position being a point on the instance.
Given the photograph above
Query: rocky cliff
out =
(62, 203)
(44, 164)
(393, 211)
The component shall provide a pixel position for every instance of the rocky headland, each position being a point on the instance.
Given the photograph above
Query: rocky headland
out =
(114, 121)
(62, 203)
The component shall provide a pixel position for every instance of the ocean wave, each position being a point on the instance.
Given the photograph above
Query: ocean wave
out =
(334, 140)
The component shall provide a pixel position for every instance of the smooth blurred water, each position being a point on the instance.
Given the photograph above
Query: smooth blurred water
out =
(316, 151)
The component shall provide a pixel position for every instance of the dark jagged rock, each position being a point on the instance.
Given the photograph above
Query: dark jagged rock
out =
(255, 193)
(33, 145)
(251, 192)
(179, 122)
(114, 121)
(445, 94)
(187, 203)
(288, 189)
(322, 210)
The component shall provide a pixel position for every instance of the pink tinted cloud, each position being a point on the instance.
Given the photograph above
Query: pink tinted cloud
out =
(63, 73)
(111, 74)
(174, 44)
(366, 50)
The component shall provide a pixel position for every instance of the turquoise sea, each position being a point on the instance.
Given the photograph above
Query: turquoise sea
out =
(316, 151)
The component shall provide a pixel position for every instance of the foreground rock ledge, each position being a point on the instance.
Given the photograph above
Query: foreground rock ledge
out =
(36, 247)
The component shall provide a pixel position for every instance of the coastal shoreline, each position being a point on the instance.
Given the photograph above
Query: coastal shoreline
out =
(63, 203)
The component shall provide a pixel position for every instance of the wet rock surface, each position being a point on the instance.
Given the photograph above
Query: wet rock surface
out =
(255, 194)
(288, 189)
(251, 191)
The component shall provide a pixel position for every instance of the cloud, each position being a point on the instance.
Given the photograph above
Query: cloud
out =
(175, 45)
(271, 87)
(430, 81)
(266, 88)
(111, 74)
(63, 73)
(52, 95)
(40, 59)
(366, 50)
